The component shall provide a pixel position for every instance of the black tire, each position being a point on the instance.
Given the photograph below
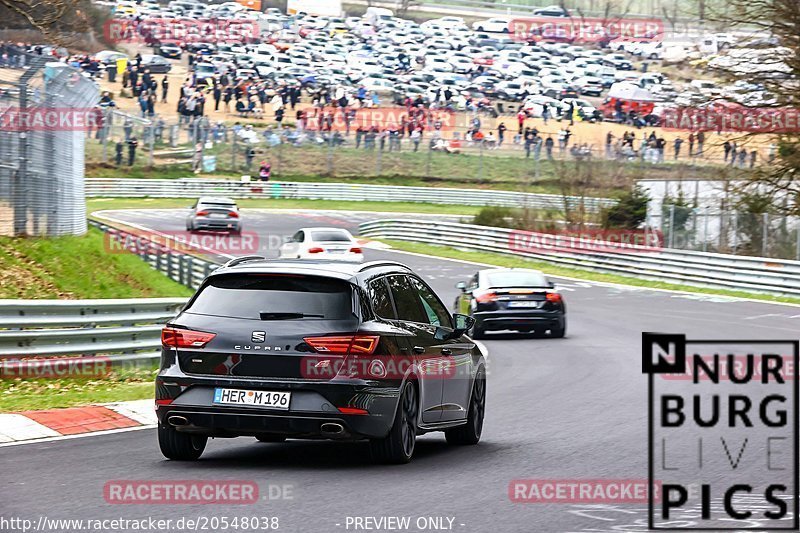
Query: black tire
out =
(398, 446)
(559, 333)
(470, 433)
(270, 438)
(180, 446)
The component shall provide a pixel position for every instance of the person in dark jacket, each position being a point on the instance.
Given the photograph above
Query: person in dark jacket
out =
(132, 144)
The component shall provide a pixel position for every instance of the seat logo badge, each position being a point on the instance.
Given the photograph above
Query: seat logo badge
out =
(258, 336)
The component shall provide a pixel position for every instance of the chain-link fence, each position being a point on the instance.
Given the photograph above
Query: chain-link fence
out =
(45, 110)
(729, 232)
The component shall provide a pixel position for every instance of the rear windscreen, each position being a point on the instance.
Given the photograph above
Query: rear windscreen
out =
(515, 279)
(328, 236)
(275, 297)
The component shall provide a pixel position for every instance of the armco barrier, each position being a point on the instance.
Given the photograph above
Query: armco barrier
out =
(186, 269)
(754, 274)
(195, 187)
(123, 330)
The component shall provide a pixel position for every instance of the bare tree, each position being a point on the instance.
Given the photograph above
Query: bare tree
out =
(57, 20)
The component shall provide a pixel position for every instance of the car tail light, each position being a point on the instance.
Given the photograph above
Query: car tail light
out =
(185, 338)
(355, 250)
(353, 411)
(344, 344)
(485, 297)
(315, 250)
(164, 401)
(202, 213)
(233, 214)
(553, 297)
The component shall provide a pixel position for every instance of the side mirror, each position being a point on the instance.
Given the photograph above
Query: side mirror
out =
(551, 285)
(462, 286)
(462, 324)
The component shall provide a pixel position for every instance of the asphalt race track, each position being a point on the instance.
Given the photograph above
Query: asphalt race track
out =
(572, 408)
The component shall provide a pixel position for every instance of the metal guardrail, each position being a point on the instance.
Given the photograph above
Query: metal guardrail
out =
(754, 274)
(124, 330)
(194, 187)
(186, 269)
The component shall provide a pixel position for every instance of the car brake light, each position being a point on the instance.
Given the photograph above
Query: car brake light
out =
(553, 297)
(185, 338)
(202, 213)
(355, 250)
(233, 214)
(353, 411)
(485, 297)
(315, 250)
(344, 344)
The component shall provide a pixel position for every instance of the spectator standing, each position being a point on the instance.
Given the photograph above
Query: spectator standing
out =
(265, 171)
(132, 144)
(701, 139)
(677, 144)
(501, 134)
(691, 144)
(753, 156)
(119, 149)
(548, 147)
(164, 88)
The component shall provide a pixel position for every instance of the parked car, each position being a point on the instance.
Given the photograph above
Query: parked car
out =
(156, 64)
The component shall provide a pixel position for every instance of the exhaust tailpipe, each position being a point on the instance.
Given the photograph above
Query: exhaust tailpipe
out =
(177, 421)
(331, 429)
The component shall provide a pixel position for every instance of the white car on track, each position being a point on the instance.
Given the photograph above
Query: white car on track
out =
(335, 244)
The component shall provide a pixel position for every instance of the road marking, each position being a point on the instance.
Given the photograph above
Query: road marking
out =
(77, 436)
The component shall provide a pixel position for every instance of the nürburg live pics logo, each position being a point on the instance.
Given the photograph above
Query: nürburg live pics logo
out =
(722, 433)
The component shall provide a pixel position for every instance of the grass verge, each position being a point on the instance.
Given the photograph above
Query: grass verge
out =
(558, 270)
(75, 268)
(34, 394)
(97, 204)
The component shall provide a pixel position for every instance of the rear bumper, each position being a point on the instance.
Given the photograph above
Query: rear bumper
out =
(216, 224)
(515, 320)
(312, 404)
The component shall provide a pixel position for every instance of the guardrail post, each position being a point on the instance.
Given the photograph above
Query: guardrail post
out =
(671, 225)
(736, 231)
(705, 229)
(764, 234)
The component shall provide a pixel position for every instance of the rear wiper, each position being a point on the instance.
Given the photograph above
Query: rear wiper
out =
(286, 316)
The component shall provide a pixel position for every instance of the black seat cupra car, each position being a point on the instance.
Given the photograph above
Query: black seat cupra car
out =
(310, 350)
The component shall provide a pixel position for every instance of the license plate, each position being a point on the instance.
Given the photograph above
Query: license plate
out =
(217, 215)
(523, 304)
(336, 251)
(256, 398)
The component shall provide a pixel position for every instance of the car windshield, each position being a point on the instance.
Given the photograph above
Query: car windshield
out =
(515, 279)
(330, 236)
(265, 297)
